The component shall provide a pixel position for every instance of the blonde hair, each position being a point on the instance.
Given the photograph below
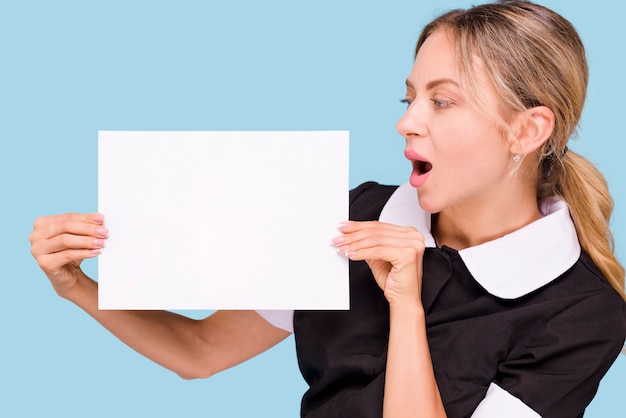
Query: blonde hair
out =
(535, 57)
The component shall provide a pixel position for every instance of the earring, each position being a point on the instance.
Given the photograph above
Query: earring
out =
(516, 158)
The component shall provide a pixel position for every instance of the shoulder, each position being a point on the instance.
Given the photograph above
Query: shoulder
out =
(580, 331)
(584, 308)
(599, 302)
(585, 281)
(368, 199)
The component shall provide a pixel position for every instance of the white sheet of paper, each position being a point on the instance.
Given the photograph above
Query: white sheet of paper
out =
(222, 220)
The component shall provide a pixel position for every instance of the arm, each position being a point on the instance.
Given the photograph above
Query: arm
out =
(394, 255)
(566, 356)
(410, 386)
(191, 348)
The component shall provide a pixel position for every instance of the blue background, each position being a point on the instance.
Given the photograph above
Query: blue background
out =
(71, 68)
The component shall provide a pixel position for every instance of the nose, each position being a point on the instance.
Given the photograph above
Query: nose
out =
(412, 122)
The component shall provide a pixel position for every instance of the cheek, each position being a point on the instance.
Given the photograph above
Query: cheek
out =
(472, 153)
(457, 146)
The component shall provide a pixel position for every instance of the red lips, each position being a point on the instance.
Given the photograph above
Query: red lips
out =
(421, 168)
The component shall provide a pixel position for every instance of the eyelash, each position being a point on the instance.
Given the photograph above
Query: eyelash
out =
(439, 104)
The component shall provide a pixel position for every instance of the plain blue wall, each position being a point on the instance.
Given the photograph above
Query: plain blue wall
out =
(71, 68)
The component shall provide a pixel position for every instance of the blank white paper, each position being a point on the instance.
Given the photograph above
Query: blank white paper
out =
(222, 220)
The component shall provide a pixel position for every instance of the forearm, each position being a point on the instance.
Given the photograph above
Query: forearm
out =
(171, 340)
(410, 386)
(394, 255)
(191, 348)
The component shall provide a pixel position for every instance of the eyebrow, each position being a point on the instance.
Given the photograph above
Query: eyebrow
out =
(434, 83)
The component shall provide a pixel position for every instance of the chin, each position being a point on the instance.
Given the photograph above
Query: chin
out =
(428, 205)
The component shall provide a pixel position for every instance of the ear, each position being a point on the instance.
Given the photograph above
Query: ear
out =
(532, 129)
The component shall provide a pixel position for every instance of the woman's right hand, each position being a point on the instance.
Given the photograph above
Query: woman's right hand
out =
(60, 243)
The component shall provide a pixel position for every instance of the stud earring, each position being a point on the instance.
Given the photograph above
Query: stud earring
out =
(516, 158)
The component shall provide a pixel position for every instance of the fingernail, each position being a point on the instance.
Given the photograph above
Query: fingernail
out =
(98, 217)
(343, 249)
(102, 231)
(98, 242)
(96, 251)
(338, 240)
(342, 224)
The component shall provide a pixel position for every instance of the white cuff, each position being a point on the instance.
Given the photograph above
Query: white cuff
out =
(282, 319)
(500, 403)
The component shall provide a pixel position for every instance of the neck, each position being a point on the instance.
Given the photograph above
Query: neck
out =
(466, 226)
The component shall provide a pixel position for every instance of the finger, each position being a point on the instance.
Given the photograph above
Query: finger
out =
(67, 242)
(391, 243)
(354, 226)
(356, 230)
(46, 227)
(70, 231)
(45, 221)
(376, 234)
(382, 243)
(55, 261)
(385, 236)
(396, 256)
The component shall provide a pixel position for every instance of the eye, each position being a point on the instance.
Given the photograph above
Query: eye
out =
(439, 104)
(406, 101)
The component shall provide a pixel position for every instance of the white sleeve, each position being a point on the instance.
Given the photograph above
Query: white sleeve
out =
(500, 403)
(282, 319)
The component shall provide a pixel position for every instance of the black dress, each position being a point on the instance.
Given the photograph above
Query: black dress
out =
(524, 325)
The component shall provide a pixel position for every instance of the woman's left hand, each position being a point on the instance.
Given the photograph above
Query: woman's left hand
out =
(393, 253)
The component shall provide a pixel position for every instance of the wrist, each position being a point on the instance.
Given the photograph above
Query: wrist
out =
(407, 308)
(79, 287)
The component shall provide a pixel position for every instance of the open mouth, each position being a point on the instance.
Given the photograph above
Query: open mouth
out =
(422, 167)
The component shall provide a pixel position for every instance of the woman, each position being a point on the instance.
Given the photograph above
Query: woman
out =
(493, 288)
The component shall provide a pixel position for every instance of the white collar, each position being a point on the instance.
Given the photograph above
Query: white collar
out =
(511, 266)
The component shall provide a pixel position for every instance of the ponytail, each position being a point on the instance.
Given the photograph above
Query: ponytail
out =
(586, 192)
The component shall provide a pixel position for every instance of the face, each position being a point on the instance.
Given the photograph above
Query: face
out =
(459, 156)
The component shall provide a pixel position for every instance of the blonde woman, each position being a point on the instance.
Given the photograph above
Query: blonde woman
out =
(485, 286)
